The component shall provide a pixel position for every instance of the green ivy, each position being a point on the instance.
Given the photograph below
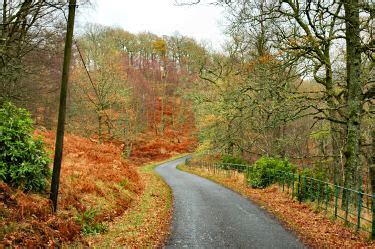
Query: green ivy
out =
(23, 159)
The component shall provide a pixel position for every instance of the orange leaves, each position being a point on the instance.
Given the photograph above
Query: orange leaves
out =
(94, 176)
(149, 148)
(264, 59)
(89, 173)
(27, 221)
(267, 58)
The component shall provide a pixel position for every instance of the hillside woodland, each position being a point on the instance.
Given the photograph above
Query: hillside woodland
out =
(294, 81)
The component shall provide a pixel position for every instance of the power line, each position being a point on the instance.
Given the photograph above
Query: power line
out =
(85, 66)
(82, 59)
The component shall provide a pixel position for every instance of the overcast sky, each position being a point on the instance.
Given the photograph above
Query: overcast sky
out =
(162, 17)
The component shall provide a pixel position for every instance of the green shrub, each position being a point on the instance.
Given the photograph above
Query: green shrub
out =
(264, 171)
(89, 224)
(312, 184)
(229, 159)
(320, 171)
(23, 160)
(232, 159)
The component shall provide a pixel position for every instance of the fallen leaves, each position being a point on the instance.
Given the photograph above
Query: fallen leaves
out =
(146, 223)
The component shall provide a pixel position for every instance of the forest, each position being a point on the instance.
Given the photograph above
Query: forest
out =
(294, 82)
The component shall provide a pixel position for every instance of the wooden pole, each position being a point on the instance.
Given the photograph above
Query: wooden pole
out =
(62, 108)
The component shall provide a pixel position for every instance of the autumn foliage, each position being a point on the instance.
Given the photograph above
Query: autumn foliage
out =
(91, 174)
(94, 177)
(143, 119)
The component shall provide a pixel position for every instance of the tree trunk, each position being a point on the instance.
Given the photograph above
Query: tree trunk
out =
(354, 90)
(162, 124)
(372, 177)
(337, 146)
(230, 149)
(100, 128)
(336, 129)
(4, 24)
(372, 164)
(109, 127)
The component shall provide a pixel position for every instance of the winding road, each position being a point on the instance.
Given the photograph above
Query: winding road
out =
(207, 215)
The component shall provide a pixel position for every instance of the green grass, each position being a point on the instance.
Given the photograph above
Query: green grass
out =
(152, 166)
(89, 225)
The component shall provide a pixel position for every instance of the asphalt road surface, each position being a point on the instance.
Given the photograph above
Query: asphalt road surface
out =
(207, 215)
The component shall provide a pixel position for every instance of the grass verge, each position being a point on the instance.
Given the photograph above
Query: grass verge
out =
(146, 223)
(312, 227)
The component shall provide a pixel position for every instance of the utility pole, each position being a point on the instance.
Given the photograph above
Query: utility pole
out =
(62, 107)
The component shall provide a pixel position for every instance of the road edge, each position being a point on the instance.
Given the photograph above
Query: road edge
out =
(261, 205)
(140, 210)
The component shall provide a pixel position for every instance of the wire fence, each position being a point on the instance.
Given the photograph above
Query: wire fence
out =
(352, 206)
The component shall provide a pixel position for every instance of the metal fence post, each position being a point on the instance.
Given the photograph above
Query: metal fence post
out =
(248, 175)
(292, 185)
(336, 199)
(304, 188)
(326, 197)
(318, 194)
(347, 205)
(277, 180)
(359, 209)
(245, 175)
(299, 188)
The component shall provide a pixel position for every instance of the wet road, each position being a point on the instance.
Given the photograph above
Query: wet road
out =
(207, 215)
